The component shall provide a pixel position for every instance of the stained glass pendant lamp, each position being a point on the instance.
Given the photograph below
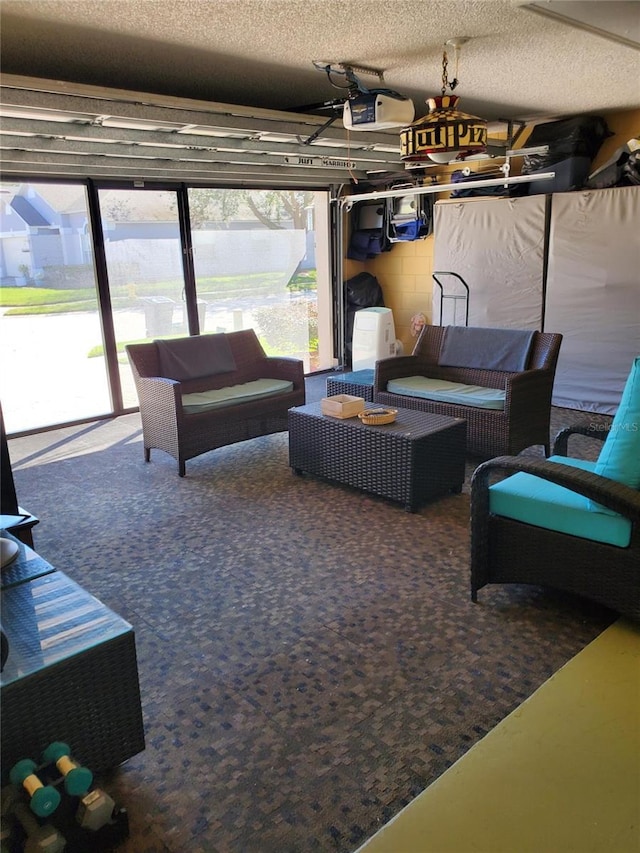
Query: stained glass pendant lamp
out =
(445, 132)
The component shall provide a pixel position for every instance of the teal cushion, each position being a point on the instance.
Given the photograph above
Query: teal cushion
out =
(532, 500)
(448, 392)
(619, 458)
(202, 401)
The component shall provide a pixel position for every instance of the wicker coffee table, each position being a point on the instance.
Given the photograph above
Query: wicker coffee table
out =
(359, 383)
(413, 460)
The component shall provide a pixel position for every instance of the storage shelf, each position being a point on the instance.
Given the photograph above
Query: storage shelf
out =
(349, 200)
(482, 158)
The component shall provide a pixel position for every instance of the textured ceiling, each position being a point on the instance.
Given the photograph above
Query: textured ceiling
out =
(517, 65)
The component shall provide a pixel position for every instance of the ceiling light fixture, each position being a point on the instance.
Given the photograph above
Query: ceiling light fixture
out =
(444, 133)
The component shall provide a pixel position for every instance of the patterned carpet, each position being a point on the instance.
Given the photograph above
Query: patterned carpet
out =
(309, 657)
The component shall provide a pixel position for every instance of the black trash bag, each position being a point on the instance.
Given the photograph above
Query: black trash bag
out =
(581, 136)
(362, 291)
(458, 177)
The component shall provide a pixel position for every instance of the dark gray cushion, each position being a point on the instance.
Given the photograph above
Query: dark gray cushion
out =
(486, 349)
(194, 357)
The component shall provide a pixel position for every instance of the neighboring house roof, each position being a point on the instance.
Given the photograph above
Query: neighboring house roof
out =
(119, 206)
(27, 211)
(139, 206)
(64, 198)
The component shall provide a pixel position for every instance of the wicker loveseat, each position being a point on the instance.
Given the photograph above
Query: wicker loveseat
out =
(208, 391)
(499, 380)
(562, 522)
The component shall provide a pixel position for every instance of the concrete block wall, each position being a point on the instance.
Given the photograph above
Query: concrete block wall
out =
(404, 274)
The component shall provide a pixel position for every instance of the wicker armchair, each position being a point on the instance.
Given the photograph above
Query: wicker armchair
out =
(165, 424)
(504, 550)
(523, 422)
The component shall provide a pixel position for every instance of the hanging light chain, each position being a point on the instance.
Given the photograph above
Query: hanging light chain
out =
(445, 79)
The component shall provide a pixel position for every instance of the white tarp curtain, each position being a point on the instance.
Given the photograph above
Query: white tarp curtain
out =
(497, 246)
(593, 294)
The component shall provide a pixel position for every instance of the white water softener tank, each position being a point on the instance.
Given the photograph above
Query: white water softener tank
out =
(374, 337)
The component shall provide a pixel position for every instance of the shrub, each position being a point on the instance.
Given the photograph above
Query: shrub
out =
(282, 326)
(68, 276)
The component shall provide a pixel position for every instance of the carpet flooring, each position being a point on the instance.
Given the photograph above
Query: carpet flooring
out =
(565, 774)
(309, 656)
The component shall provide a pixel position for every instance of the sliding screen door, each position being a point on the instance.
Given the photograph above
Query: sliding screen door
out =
(52, 365)
(143, 251)
(234, 258)
(261, 261)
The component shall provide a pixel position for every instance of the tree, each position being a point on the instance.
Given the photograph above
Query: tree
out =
(212, 206)
(275, 209)
(116, 208)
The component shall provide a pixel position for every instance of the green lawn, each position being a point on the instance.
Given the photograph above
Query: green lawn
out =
(32, 300)
(46, 300)
(34, 297)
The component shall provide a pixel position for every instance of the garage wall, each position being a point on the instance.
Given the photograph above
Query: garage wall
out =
(405, 272)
